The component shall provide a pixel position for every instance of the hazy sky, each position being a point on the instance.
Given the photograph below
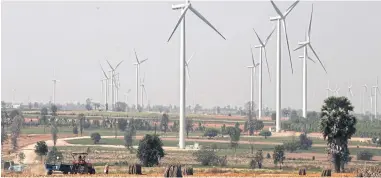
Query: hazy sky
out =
(72, 37)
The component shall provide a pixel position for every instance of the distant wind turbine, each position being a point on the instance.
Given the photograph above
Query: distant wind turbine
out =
(262, 48)
(184, 8)
(349, 93)
(143, 91)
(252, 80)
(305, 45)
(113, 83)
(137, 64)
(376, 91)
(54, 86)
(363, 97)
(106, 92)
(328, 90)
(336, 91)
(280, 18)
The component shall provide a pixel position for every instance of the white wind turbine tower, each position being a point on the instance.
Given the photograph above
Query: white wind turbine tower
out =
(106, 86)
(184, 8)
(54, 87)
(117, 86)
(262, 48)
(252, 80)
(113, 83)
(137, 64)
(349, 93)
(363, 97)
(280, 18)
(143, 91)
(305, 45)
(376, 90)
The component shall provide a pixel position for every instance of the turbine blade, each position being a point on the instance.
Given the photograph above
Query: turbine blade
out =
(312, 49)
(178, 22)
(267, 63)
(268, 37)
(252, 56)
(143, 60)
(145, 92)
(300, 46)
(311, 59)
(104, 73)
(276, 9)
(290, 8)
(309, 28)
(118, 65)
(136, 56)
(110, 65)
(206, 21)
(288, 45)
(259, 39)
(190, 58)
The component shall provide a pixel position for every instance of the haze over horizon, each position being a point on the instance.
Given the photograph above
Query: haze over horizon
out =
(72, 37)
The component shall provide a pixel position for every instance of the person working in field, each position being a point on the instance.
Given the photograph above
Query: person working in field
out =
(106, 168)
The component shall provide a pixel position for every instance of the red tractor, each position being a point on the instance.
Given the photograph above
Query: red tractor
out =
(80, 165)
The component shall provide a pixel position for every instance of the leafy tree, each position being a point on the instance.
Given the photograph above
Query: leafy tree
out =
(189, 126)
(96, 137)
(304, 142)
(43, 117)
(175, 126)
(273, 116)
(81, 118)
(259, 158)
(265, 133)
(223, 129)
(164, 122)
(150, 150)
(21, 157)
(54, 109)
(279, 155)
(120, 106)
(129, 133)
(16, 130)
(211, 132)
(54, 132)
(291, 146)
(41, 149)
(88, 104)
(235, 134)
(122, 124)
(4, 137)
(75, 130)
(337, 126)
(268, 156)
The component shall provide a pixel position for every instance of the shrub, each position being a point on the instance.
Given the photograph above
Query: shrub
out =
(95, 137)
(265, 133)
(208, 157)
(364, 155)
(304, 142)
(268, 156)
(291, 146)
(313, 158)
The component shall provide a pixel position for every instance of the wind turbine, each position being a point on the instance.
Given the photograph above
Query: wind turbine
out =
(376, 90)
(113, 83)
(137, 64)
(305, 45)
(252, 75)
(280, 18)
(336, 91)
(184, 8)
(328, 89)
(117, 86)
(54, 87)
(188, 74)
(126, 97)
(106, 79)
(363, 97)
(262, 47)
(349, 93)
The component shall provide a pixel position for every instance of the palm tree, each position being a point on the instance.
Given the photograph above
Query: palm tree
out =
(337, 125)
